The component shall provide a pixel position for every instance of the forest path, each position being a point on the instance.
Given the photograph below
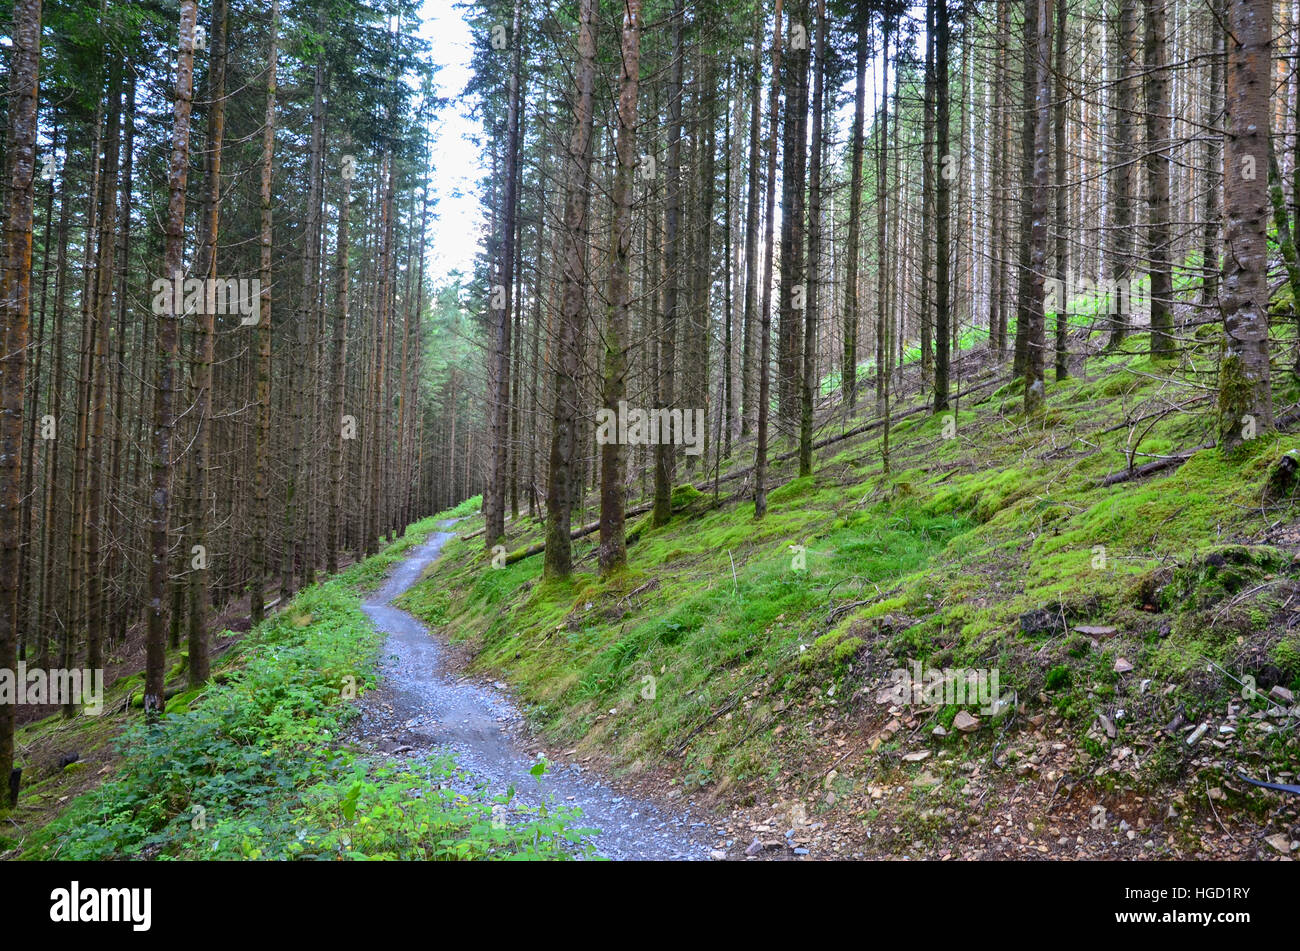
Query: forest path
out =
(421, 707)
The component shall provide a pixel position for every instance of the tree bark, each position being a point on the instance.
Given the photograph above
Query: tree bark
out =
(853, 241)
(1245, 394)
(765, 328)
(943, 191)
(1122, 161)
(1062, 232)
(561, 488)
(15, 313)
(808, 388)
(494, 507)
(262, 432)
(164, 382)
(1159, 135)
(613, 454)
(665, 456)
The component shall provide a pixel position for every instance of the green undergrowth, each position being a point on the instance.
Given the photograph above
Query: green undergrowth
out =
(253, 768)
(988, 541)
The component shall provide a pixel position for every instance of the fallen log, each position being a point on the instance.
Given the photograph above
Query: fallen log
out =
(538, 547)
(1141, 472)
(849, 434)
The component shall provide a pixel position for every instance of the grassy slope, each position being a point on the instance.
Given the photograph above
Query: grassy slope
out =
(749, 659)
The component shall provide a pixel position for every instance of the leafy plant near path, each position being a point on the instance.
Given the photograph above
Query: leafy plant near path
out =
(251, 770)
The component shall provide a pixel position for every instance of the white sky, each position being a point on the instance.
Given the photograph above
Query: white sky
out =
(457, 161)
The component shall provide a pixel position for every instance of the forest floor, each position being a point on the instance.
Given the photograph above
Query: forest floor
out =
(64, 758)
(1146, 630)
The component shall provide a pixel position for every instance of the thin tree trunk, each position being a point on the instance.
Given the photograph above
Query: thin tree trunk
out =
(853, 249)
(811, 311)
(494, 507)
(262, 433)
(613, 454)
(164, 382)
(751, 232)
(1213, 170)
(1036, 330)
(943, 223)
(765, 329)
(1062, 232)
(1122, 159)
(1159, 142)
(665, 457)
(562, 484)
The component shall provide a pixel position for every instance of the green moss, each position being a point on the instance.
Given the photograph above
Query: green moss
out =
(943, 560)
(683, 495)
(794, 489)
(1058, 678)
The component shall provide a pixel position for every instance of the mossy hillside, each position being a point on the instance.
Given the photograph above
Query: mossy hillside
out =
(937, 560)
(677, 616)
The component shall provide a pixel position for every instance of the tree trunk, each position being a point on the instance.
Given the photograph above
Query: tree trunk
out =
(341, 430)
(928, 165)
(751, 233)
(577, 170)
(205, 353)
(882, 219)
(1159, 135)
(765, 328)
(853, 246)
(1213, 170)
(1036, 330)
(665, 457)
(15, 313)
(943, 192)
(262, 435)
(167, 346)
(613, 454)
(494, 501)
(1062, 233)
(1245, 394)
(794, 286)
(808, 388)
(1122, 159)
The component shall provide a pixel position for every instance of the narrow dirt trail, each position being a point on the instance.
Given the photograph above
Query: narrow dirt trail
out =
(421, 707)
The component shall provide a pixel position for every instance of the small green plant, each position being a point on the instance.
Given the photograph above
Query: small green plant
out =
(1058, 678)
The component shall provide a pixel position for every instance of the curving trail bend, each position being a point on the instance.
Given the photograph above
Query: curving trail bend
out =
(420, 707)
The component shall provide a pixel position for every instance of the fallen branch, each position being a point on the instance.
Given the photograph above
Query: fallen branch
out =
(849, 434)
(1141, 472)
(539, 547)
